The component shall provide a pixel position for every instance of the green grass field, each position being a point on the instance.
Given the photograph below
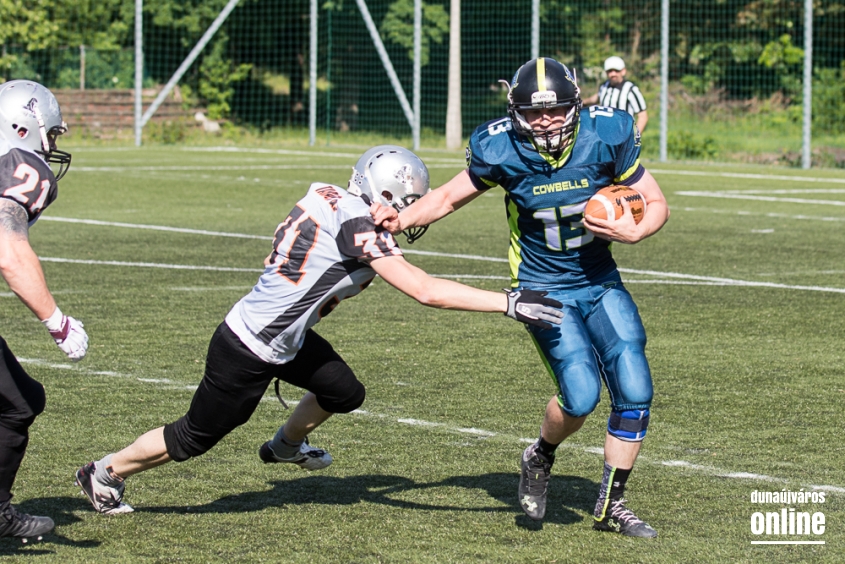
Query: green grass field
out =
(741, 294)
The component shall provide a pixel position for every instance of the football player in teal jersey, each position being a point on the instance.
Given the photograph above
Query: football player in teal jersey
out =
(550, 158)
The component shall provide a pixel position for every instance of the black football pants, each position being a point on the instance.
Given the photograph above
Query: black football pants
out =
(235, 380)
(21, 400)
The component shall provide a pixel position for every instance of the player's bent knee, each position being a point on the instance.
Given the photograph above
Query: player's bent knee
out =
(20, 415)
(628, 425)
(579, 400)
(337, 389)
(182, 444)
(631, 380)
(582, 406)
(344, 401)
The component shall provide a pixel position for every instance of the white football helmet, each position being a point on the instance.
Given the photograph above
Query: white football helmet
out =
(392, 176)
(30, 116)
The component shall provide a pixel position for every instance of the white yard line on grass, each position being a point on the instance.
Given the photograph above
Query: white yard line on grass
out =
(762, 214)
(685, 279)
(153, 227)
(203, 168)
(741, 196)
(683, 464)
(150, 265)
(748, 176)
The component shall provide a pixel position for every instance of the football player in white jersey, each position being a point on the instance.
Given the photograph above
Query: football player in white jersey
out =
(326, 250)
(30, 122)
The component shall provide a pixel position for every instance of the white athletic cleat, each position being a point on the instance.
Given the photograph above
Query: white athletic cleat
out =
(105, 499)
(308, 457)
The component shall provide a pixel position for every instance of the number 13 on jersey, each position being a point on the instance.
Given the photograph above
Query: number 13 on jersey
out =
(564, 227)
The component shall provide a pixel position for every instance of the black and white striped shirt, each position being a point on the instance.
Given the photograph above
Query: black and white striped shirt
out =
(627, 97)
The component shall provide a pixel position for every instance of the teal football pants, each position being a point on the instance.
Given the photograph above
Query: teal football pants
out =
(600, 338)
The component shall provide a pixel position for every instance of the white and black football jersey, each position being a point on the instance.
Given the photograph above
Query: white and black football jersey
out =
(26, 178)
(627, 97)
(321, 255)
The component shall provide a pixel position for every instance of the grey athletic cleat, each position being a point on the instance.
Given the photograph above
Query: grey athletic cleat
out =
(21, 525)
(308, 457)
(534, 482)
(619, 519)
(105, 499)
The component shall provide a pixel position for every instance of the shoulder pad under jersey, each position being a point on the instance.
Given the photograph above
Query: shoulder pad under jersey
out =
(494, 141)
(612, 126)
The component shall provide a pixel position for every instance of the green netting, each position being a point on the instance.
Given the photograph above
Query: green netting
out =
(736, 66)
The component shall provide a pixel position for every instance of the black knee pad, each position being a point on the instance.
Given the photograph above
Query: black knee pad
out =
(337, 389)
(181, 444)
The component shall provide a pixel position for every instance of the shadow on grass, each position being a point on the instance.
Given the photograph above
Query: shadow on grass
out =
(568, 495)
(60, 510)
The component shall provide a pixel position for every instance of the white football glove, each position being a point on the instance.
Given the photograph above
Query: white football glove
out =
(69, 335)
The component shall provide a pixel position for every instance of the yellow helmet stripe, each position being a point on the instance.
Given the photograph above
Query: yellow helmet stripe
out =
(541, 74)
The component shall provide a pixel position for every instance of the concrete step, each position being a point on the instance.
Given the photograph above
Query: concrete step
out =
(111, 113)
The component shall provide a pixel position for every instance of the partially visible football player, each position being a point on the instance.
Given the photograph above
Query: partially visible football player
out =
(326, 250)
(550, 158)
(30, 123)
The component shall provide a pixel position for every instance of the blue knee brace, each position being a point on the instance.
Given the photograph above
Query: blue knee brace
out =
(629, 425)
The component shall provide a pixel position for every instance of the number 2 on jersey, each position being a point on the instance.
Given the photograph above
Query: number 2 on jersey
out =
(30, 179)
(564, 227)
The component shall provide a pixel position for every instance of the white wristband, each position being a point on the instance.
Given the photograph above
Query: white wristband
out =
(54, 322)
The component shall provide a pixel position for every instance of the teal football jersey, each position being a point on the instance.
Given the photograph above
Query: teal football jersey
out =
(545, 197)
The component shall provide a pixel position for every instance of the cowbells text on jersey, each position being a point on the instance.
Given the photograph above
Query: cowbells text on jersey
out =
(560, 186)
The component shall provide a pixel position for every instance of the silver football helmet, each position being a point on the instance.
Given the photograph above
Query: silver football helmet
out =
(30, 116)
(391, 176)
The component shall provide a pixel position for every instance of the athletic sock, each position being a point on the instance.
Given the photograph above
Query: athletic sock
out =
(546, 448)
(612, 488)
(104, 474)
(282, 446)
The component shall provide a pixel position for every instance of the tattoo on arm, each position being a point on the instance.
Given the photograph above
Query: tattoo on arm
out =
(13, 220)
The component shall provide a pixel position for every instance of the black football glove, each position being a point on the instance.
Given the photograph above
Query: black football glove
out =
(531, 307)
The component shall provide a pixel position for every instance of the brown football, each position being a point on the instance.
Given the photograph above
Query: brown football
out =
(609, 200)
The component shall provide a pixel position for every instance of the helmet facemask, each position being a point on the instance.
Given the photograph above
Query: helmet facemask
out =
(553, 140)
(48, 143)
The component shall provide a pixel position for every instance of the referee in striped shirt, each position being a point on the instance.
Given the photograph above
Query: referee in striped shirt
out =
(616, 92)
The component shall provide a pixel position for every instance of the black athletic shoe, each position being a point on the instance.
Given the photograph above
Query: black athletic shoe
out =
(534, 482)
(620, 519)
(21, 525)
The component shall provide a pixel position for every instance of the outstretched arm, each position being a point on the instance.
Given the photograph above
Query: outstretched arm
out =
(436, 204)
(528, 306)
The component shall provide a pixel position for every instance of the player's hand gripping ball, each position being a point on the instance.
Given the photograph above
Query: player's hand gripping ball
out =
(608, 201)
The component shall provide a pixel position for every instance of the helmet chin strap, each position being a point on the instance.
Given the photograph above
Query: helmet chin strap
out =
(375, 196)
(42, 129)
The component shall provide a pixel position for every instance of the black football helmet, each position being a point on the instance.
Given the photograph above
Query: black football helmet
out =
(544, 83)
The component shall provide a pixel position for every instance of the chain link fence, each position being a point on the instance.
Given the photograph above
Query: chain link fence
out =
(735, 68)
